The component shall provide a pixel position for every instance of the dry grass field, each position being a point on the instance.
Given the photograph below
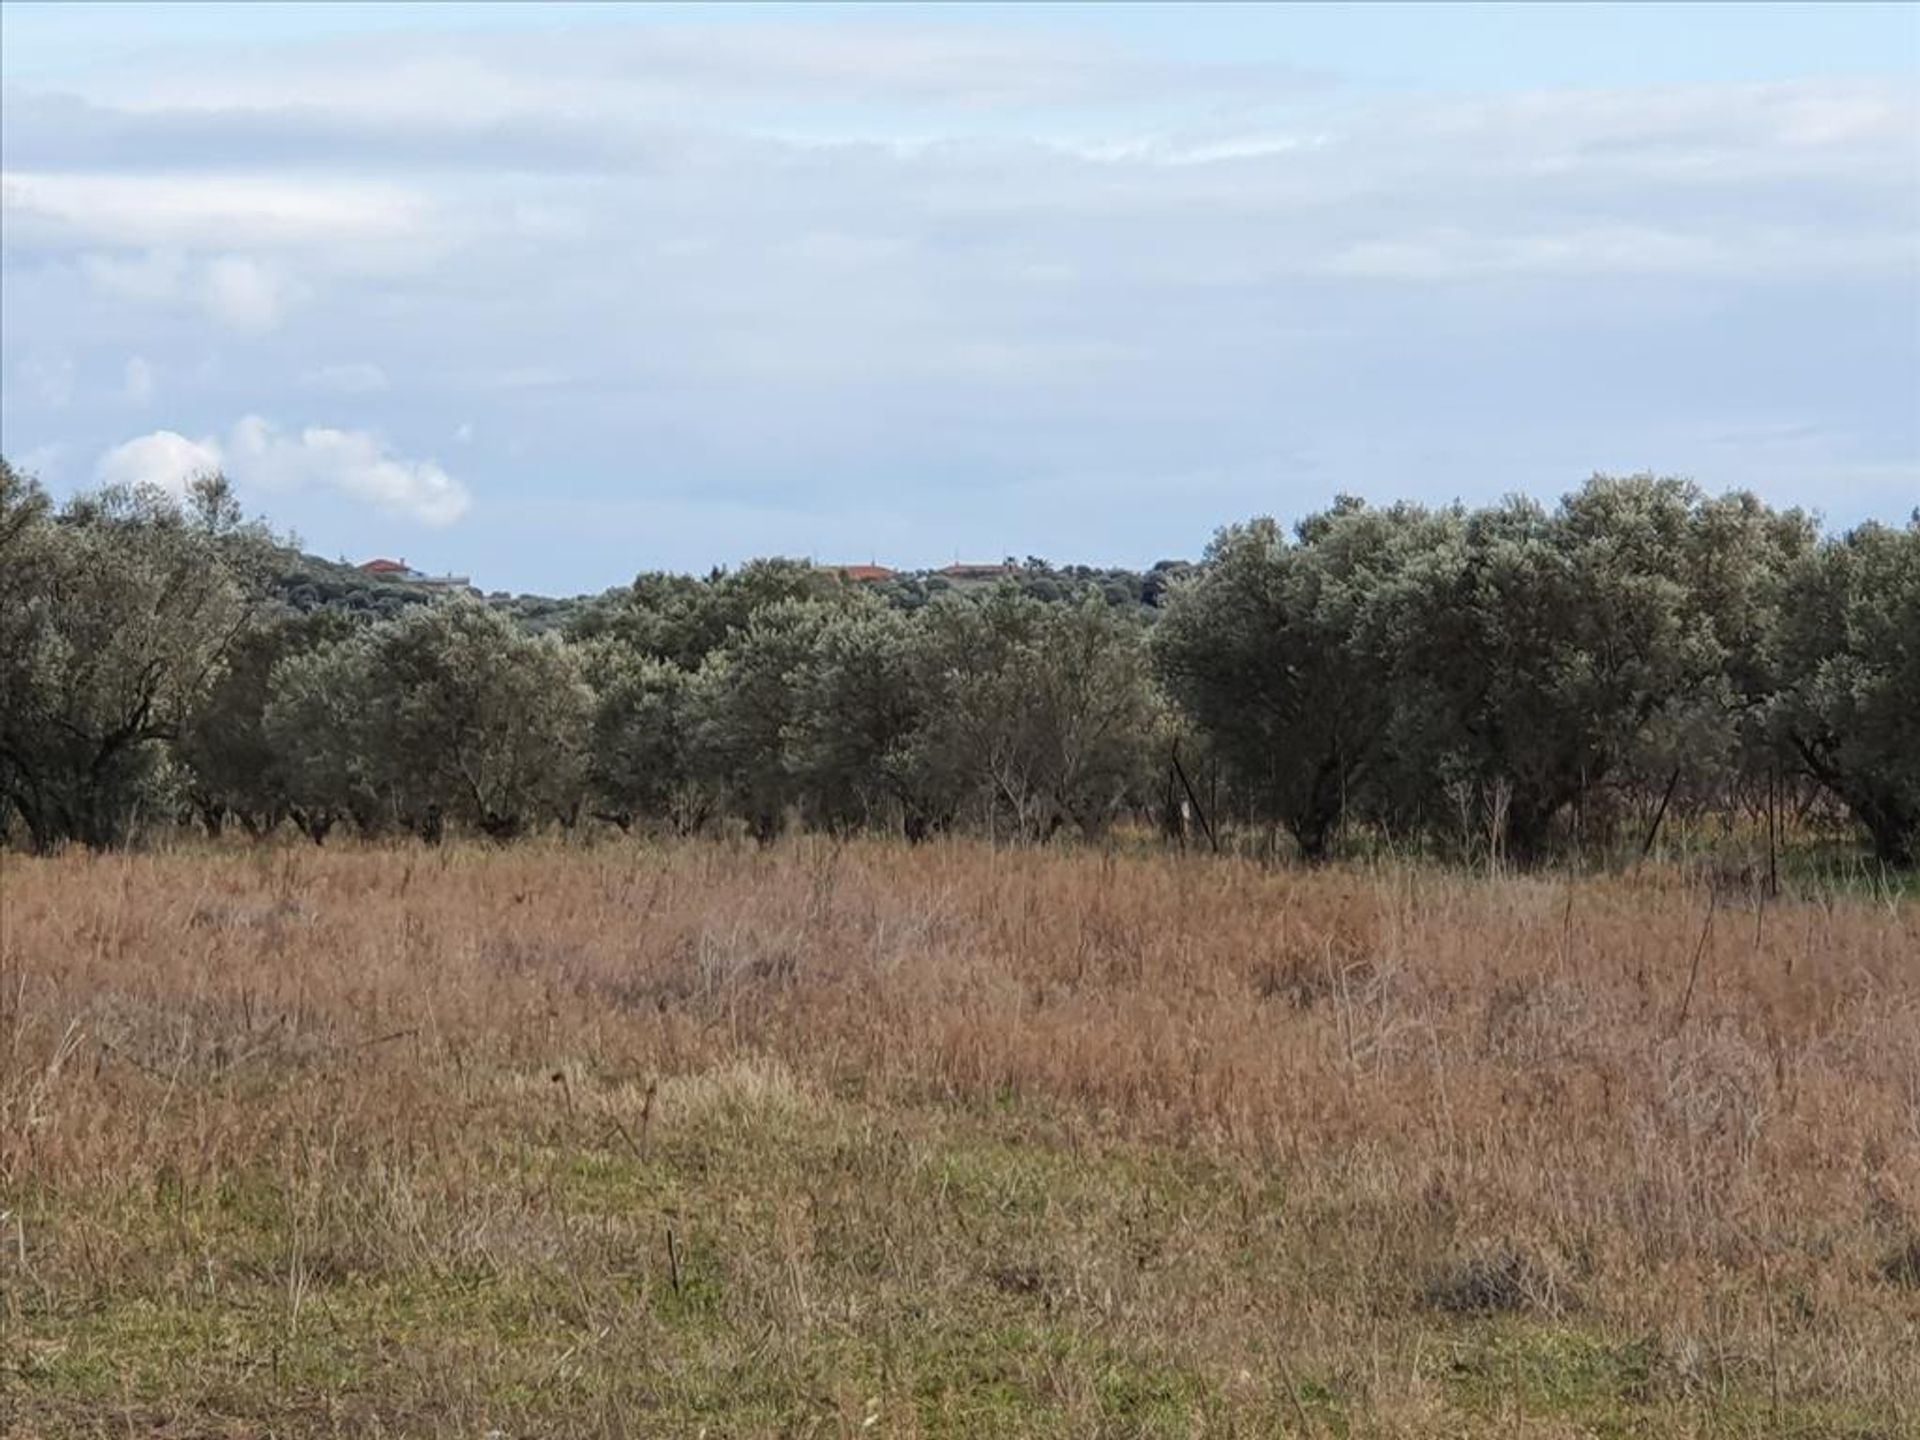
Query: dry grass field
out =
(872, 1140)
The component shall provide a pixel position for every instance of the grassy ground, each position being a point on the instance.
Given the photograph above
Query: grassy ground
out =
(871, 1140)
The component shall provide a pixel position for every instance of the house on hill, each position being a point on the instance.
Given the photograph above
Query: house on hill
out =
(399, 572)
(861, 574)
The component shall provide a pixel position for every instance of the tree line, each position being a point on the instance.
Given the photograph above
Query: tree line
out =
(1517, 678)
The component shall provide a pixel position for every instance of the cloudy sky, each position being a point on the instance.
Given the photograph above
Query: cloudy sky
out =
(552, 295)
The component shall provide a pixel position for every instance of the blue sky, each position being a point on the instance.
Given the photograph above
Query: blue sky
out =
(554, 294)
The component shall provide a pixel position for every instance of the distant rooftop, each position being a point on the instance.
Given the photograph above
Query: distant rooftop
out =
(399, 570)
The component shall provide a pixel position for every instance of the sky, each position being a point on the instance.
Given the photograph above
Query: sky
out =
(554, 294)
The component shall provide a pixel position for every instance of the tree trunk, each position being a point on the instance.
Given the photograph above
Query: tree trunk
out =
(1315, 816)
(1892, 823)
(1530, 820)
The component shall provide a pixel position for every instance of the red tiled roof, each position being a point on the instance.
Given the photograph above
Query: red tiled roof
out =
(385, 567)
(865, 572)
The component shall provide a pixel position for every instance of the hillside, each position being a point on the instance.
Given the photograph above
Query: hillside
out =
(309, 583)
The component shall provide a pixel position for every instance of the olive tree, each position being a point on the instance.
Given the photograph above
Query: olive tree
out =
(1276, 649)
(24, 514)
(233, 769)
(1033, 715)
(1848, 652)
(1548, 650)
(448, 713)
(117, 615)
(320, 731)
(746, 700)
(856, 710)
(1091, 713)
(640, 761)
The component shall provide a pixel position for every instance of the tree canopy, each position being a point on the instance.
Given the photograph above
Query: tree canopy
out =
(1512, 678)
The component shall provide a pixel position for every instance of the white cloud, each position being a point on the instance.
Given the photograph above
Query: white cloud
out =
(1454, 253)
(996, 257)
(1175, 150)
(355, 463)
(258, 456)
(139, 381)
(151, 277)
(244, 294)
(518, 377)
(358, 378)
(601, 72)
(184, 209)
(166, 459)
(240, 292)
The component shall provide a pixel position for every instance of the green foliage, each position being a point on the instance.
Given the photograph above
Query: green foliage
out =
(446, 714)
(1515, 678)
(1039, 716)
(1848, 657)
(117, 616)
(308, 584)
(1501, 673)
(639, 755)
(856, 710)
(1282, 651)
(1549, 655)
(746, 703)
(235, 770)
(683, 620)
(317, 723)
(1551, 643)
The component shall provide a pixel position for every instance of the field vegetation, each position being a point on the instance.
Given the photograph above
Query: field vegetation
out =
(869, 1138)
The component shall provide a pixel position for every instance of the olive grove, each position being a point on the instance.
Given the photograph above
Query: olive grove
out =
(1519, 680)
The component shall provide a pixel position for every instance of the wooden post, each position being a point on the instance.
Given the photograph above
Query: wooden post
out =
(1773, 830)
(1199, 810)
(1653, 830)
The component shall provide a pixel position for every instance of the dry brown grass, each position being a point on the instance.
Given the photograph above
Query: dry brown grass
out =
(947, 1141)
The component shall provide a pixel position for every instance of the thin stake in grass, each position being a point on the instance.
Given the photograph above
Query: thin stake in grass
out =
(1693, 971)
